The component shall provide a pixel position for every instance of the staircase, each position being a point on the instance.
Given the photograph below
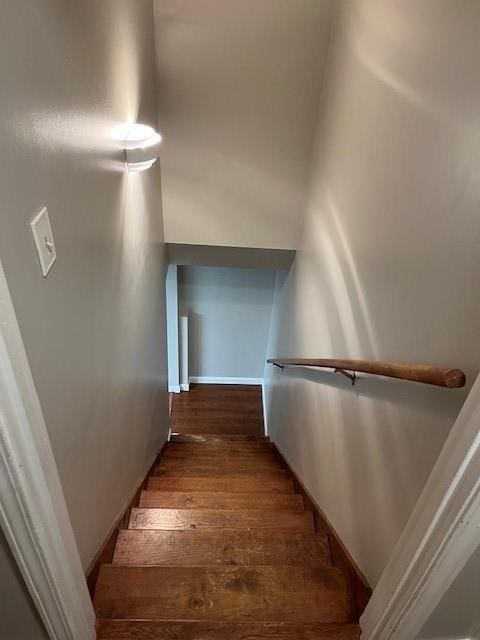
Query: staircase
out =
(222, 548)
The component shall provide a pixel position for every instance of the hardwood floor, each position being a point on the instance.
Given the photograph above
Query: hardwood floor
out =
(220, 546)
(218, 409)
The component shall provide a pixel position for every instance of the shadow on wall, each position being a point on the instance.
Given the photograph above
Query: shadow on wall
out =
(384, 272)
(364, 452)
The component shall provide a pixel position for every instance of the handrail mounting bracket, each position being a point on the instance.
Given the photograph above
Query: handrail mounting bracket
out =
(280, 366)
(350, 376)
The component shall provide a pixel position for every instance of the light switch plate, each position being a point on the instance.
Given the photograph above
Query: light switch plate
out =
(43, 238)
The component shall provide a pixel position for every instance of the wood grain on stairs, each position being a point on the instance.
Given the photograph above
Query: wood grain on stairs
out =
(175, 630)
(220, 409)
(236, 594)
(219, 500)
(221, 519)
(262, 461)
(254, 473)
(204, 548)
(234, 485)
(228, 450)
(221, 547)
(219, 439)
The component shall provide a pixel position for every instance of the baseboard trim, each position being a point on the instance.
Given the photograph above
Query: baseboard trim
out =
(361, 590)
(174, 388)
(216, 380)
(105, 553)
(185, 387)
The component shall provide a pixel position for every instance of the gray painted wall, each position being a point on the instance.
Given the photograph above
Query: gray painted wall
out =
(229, 318)
(388, 256)
(18, 616)
(94, 330)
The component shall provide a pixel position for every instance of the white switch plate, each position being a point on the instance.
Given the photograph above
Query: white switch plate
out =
(43, 238)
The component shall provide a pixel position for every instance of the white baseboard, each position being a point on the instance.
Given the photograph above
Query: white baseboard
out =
(175, 388)
(210, 380)
(184, 387)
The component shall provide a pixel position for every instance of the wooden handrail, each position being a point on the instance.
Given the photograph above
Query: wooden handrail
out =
(439, 376)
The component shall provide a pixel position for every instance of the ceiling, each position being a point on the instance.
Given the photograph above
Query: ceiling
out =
(239, 86)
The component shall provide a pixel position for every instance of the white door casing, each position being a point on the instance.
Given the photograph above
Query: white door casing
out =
(439, 538)
(33, 513)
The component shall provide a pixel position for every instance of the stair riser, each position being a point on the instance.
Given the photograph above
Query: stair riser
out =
(146, 630)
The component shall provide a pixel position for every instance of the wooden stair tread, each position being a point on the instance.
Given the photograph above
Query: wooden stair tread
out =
(236, 427)
(227, 449)
(263, 461)
(224, 519)
(175, 630)
(211, 548)
(219, 500)
(235, 485)
(237, 594)
(233, 443)
(211, 410)
(220, 546)
(216, 439)
(218, 471)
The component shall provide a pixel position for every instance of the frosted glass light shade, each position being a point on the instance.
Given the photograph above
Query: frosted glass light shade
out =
(141, 143)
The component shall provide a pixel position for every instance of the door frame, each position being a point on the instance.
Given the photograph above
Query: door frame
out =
(33, 513)
(440, 536)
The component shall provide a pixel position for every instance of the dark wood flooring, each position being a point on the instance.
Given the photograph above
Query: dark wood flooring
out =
(218, 409)
(220, 546)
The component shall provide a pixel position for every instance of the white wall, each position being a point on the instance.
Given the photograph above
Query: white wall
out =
(386, 267)
(229, 317)
(171, 295)
(94, 330)
(239, 83)
(19, 618)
